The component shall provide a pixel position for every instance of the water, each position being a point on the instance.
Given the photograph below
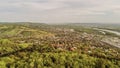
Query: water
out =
(111, 40)
(110, 31)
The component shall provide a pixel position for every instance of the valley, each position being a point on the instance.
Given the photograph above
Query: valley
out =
(38, 45)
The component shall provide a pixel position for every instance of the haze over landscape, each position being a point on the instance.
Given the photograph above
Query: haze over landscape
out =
(59, 34)
(60, 11)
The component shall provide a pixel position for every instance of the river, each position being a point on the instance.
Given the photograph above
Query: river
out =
(110, 31)
(115, 41)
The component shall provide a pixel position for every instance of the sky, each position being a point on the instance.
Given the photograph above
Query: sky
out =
(60, 11)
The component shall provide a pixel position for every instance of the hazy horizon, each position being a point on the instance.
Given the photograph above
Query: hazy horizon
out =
(60, 11)
(61, 22)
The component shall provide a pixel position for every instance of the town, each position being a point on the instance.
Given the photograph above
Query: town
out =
(22, 41)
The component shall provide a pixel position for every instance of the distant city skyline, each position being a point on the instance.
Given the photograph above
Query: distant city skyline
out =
(60, 11)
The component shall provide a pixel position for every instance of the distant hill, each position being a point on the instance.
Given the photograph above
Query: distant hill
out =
(21, 29)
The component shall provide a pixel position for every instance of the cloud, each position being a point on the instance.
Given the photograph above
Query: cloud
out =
(60, 10)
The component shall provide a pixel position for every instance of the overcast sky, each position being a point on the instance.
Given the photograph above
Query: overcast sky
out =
(60, 11)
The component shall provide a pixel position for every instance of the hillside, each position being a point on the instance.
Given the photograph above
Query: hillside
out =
(35, 45)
